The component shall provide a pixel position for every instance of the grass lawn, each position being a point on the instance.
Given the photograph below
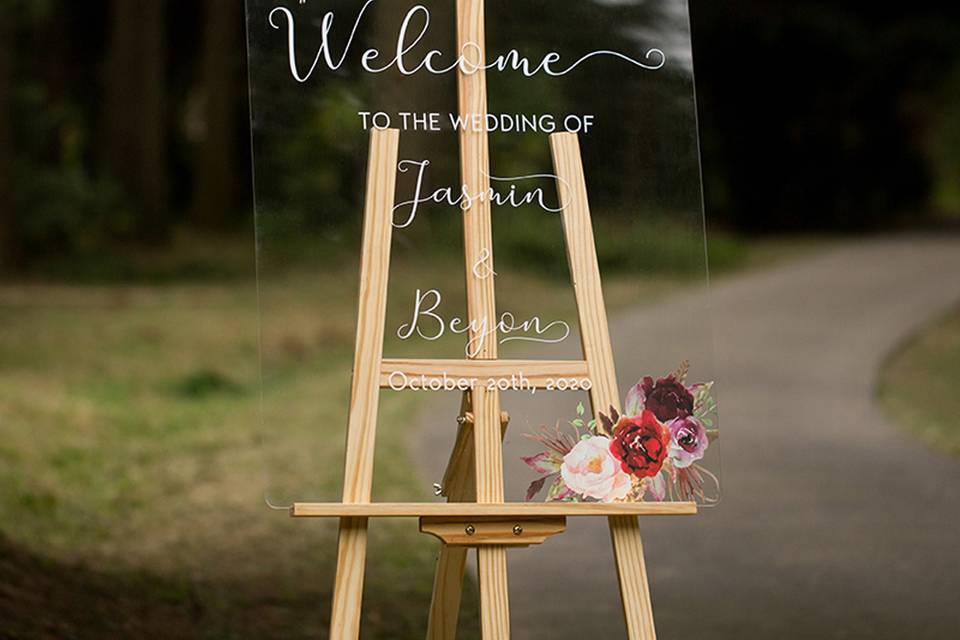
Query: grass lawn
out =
(133, 466)
(918, 385)
(133, 457)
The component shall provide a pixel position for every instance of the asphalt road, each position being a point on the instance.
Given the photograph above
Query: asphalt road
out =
(834, 522)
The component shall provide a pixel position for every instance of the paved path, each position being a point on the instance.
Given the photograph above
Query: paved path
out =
(834, 524)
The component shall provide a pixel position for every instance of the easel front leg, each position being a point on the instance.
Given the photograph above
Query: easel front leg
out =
(491, 561)
(494, 596)
(348, 587)
(365, 387)
(481, 305)
(632, 575)
(598, 352)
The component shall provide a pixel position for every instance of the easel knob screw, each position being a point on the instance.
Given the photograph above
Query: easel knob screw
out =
(470, 529)
(518, 530)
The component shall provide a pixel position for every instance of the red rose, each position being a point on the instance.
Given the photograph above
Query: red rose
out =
(667, 399)
(640, 444)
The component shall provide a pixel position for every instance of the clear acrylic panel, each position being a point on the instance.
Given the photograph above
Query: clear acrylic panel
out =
(617, 72)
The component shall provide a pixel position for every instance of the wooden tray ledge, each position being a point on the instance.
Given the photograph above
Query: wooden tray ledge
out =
(470, 509)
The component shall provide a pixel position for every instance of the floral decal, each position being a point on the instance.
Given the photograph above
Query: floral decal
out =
(640, 444)
(650, 452)
(591, 470)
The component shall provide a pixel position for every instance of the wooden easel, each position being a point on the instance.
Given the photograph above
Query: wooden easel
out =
(476, 514)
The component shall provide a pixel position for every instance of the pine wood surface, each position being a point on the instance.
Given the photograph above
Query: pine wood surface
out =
(472, 531)
(365, 386)
(481, 303)
(482, 418)
(508, 509)
(459, 485)
(598, 352)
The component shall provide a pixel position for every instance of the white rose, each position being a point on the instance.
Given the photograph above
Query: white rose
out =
(592, 471)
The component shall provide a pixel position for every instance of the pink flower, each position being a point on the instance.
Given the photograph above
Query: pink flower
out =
(592, 471)
(688, 441)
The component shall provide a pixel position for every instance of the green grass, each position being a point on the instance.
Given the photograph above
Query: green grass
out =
(919, 384)
(131, 440)
(134, 460)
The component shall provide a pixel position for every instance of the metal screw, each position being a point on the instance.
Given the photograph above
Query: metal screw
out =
(470, 529)
(461, 419)
(517, 530)
(437, 489)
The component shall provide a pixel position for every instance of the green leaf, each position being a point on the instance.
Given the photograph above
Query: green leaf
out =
(580, 409)
(556, 489)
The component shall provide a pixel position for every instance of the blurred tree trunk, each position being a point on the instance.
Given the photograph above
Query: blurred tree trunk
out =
(214, 196)
(9, 254)
(135, 109)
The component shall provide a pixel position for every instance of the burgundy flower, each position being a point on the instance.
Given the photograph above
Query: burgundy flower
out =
(688, 441)
(667, 398)
(640, 444)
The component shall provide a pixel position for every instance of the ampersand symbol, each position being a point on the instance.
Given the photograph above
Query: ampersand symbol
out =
(483, 267)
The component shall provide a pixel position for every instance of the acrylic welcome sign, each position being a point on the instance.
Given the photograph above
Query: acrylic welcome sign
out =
(481, 220)
(324, 74)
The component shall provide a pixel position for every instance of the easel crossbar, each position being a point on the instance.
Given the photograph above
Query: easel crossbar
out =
(506, 509)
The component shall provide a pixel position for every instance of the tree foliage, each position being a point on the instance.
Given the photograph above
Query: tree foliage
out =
(130, 119)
